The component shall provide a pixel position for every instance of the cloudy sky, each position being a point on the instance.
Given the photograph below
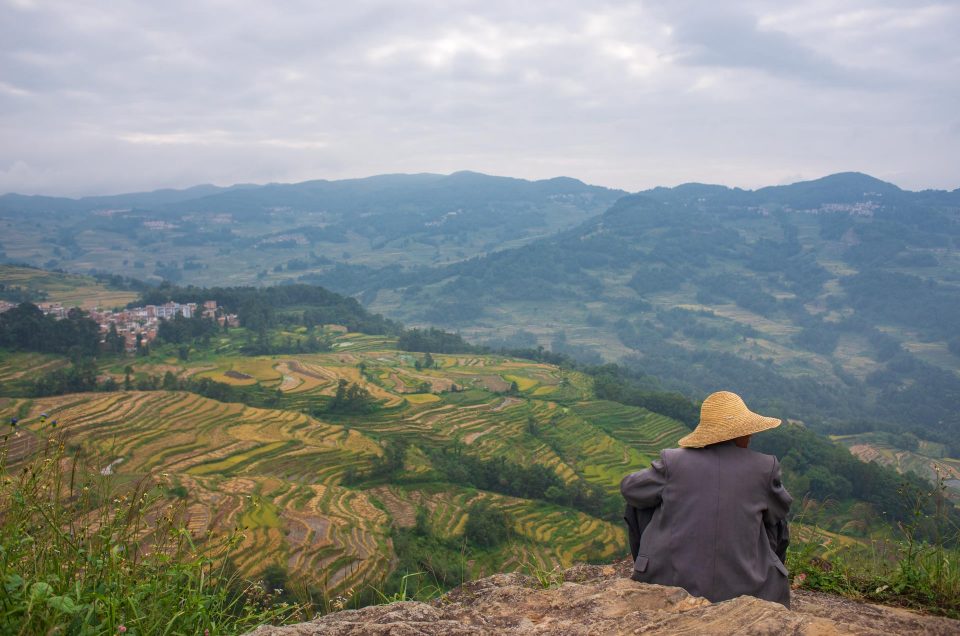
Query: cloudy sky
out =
(103, 96)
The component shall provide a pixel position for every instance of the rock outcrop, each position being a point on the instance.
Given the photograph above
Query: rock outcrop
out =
(601, 600)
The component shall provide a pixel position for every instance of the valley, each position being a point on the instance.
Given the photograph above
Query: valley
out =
(294, 482)
(346, 456)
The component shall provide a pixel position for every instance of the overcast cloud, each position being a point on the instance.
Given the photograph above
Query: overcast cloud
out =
(102, 97)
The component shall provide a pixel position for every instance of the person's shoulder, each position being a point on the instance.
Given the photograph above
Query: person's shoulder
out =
(673, 452)
(762, 459)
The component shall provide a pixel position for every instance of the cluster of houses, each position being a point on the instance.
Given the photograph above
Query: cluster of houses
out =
(141, 323)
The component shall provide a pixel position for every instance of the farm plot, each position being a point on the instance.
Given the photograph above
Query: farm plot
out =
(71, 290)
(242, 371)
(186, 433)
(341, 533)
(320, 375)
(544, 534)
(867, 447)
(643, 430)
(28, 366)
(278, 474)
(597, 456)
(357, 342)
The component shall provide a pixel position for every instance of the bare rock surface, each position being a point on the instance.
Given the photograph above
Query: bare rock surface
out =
(602, 600)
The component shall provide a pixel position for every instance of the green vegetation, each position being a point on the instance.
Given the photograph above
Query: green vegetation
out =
(486, 527)
(825, 471)
(22, 283)
(308, 488)
(26, 328)
(280, 233)
(262, 308)
(368, 465)
(80, 556)
(834, 311)
(908, 571)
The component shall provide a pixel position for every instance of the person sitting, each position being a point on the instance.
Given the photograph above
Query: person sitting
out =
(710, 516)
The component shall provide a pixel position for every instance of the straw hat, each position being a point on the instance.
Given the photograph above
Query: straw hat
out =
(723, 417)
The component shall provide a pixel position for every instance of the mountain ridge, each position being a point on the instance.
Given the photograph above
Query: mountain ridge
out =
(205, 189)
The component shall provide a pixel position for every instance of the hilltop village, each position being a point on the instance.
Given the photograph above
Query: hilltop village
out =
(139, 325)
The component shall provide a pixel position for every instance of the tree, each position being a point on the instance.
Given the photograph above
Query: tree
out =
(422, 526)
(486, 526)
(350, 398)
(115, 342)
(127, 378)
(169, 381)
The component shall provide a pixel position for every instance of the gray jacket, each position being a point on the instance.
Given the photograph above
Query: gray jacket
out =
(719, 519)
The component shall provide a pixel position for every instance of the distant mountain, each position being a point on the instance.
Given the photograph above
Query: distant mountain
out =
(831, 300)
(36, 203)
(272, 233)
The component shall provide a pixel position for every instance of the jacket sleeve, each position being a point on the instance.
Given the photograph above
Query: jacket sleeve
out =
(775, 516)
(643, 489)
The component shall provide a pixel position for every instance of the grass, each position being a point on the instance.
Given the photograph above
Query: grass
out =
(904, 572)
(80, 555)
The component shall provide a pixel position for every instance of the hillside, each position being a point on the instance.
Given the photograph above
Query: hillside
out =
(830, 301)
(347, 464)
(18, 284)
(305, 487)
(456, 466)
(278, 232)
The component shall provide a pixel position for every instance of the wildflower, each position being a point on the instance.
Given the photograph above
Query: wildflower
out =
(206, 632)
(122, 629)
(798, 580)
(13, 421)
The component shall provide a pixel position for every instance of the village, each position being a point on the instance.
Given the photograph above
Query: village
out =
(139, 325)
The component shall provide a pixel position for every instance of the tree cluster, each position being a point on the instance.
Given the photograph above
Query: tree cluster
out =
(263, 307)
(532, 481)
(827, 471)
(435, 340)
(26, 328)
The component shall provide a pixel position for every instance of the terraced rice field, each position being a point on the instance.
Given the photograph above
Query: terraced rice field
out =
(71, 290)
(932, 466)
(278, 473)
(644, 431)
(238, 463)
(545, 535)
(26, 366)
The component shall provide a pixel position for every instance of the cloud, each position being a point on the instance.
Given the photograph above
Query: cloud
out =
(130, 95)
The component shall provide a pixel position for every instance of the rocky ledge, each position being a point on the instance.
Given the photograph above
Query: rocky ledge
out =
(601, 600)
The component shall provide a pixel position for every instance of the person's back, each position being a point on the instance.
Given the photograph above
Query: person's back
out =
(719, 517)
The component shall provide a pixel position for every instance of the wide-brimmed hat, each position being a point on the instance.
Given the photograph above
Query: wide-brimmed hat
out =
(724, 416)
